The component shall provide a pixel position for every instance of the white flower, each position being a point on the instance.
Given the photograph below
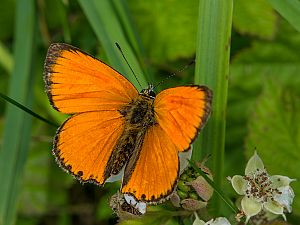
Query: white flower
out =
(262, 191)
(217, 221)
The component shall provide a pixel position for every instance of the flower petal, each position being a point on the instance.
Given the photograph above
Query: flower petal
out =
(250, 207)
(197, 221)
(239, 184)
(253, 164)
(280, 181)
(285, 198)
(218, 221)
(273, 207)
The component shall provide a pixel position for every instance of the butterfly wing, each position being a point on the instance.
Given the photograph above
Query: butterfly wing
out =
(77, 82)
(151, 174)
(84, 144)
(180, 113)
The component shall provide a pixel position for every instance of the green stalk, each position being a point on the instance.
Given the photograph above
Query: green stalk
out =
(212, 69)
(16, 133)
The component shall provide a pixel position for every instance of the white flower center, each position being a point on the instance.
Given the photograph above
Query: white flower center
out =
(259, 186)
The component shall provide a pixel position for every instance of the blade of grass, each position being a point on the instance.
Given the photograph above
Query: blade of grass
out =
(212, 69)
(108, 29)
(29, 111)
(125, 19)
(6, 58)
(288, 9)
(16, 134)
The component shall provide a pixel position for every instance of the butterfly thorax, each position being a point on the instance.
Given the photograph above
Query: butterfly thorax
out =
(139, 116)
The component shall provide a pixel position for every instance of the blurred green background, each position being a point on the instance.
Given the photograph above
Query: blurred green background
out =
(158, 38)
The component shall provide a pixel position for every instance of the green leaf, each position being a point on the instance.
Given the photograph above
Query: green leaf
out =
(254, 17)
(274, 131)
(288, 9)
(16, 135)
(167, 28)
(283, 49)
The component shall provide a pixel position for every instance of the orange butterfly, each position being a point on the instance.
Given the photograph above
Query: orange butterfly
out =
(115, 127)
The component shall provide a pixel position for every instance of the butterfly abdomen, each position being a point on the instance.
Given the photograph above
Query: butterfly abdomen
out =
(139, 116)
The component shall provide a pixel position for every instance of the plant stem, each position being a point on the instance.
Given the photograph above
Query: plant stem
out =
(212, 69)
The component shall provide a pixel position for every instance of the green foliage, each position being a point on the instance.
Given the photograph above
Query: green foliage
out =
(153, 17)
(257, 18)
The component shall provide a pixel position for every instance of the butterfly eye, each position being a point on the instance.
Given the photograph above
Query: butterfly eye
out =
(152, 94)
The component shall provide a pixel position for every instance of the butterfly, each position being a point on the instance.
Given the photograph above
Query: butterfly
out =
(115, 128)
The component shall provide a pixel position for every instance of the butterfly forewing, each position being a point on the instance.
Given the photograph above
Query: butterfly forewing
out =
(77, 82)
(182, 112)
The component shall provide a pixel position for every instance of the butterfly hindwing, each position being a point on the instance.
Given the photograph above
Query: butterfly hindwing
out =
(152, 175)
(85, 142)
(77, 82)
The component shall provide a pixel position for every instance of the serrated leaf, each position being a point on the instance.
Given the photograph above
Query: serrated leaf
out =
(274, 131)
(167, 28)
(254, 17)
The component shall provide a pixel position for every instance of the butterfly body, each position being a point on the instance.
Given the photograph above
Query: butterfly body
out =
(113, 126)
(139, 116)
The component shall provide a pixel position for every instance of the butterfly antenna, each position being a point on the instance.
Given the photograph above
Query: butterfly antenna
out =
(119, 47)
(173, 74)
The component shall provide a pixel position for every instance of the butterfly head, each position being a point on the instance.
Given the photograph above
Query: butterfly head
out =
(149, 91)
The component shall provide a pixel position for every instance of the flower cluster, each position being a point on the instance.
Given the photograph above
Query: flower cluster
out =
(193, 191)
(262, 192)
